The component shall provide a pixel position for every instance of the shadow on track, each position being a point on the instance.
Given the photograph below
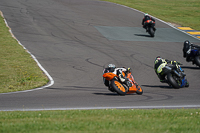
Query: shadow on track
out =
(158, 86)
(189, 67)
(111, 94)
(142, 35)
(107, 94)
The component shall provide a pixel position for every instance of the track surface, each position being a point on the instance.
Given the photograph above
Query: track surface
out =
(74, 39)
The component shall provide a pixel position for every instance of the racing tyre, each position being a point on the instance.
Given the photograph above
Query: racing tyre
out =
(174, 81)
(139, 91)
(187, 84)
(118, 87)
(197, 60)
(151, 31)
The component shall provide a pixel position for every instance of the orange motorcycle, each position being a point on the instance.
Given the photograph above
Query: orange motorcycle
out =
(114, 84)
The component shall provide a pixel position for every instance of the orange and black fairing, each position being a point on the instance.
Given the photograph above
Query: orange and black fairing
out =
(109, 76)
(134, 89)
(149, 21)
(134, 86)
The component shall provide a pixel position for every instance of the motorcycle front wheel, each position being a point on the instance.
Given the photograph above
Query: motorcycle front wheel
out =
(197, 60)
(139, 91)
(118, 87)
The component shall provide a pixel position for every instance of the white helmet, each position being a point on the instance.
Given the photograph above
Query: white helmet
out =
(111, 66)
(146, 14)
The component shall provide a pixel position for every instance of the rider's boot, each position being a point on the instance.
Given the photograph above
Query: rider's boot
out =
(163, 81)
(126, 82)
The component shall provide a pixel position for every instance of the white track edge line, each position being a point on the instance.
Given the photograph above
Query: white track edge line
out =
(51, 81)
(97, 108)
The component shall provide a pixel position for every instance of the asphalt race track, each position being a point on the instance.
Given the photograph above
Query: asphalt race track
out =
(75, 39)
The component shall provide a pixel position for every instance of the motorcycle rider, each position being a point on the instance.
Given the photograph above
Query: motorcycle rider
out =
(145, 19)
(118, 71)
(161, 63)
(187, 48)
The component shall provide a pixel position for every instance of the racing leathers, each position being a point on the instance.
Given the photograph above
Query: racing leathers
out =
(158, 67)
(145, 19)
(187, 48)
(117, 71)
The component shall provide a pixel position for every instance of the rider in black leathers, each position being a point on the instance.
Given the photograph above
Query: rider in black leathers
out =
(144, 20)
(187, 47)
(159, 64)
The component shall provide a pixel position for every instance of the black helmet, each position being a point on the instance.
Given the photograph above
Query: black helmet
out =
(158, 58)
(186, 46)
(186, 42)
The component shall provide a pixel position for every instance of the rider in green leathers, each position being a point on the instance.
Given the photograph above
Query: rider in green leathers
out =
(159, 64)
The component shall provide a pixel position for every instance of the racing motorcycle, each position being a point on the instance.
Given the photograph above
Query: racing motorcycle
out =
(175, 76)
(193, 54)
(115, 85)
(150, 27)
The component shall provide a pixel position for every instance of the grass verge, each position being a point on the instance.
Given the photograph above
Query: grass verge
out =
(181, 12)
(116, 121)
(18, 71)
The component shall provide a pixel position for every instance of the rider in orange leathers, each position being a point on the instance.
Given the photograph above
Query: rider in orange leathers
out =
(118, 71)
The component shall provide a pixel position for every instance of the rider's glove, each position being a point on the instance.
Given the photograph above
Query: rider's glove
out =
(189, 51)
(179, 63)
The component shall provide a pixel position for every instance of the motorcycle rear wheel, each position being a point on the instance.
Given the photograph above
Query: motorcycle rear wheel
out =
(173, 81)
(118, 87)
(151, 32)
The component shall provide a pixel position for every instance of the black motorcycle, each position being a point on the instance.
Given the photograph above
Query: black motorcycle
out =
(192, 53)
(175, 76)
(150, 27)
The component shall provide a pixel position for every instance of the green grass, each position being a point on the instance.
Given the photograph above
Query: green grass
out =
(116, 121)
(181, 12)
(18, 71)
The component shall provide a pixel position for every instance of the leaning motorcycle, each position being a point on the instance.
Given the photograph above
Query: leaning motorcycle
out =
(150, 27)
(115, 85)
(175, 76)
(193, 54)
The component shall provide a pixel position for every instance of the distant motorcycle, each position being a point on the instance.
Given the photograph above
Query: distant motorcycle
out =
(150, 27)
(112, 81)
(192, 53)
(175, 76)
